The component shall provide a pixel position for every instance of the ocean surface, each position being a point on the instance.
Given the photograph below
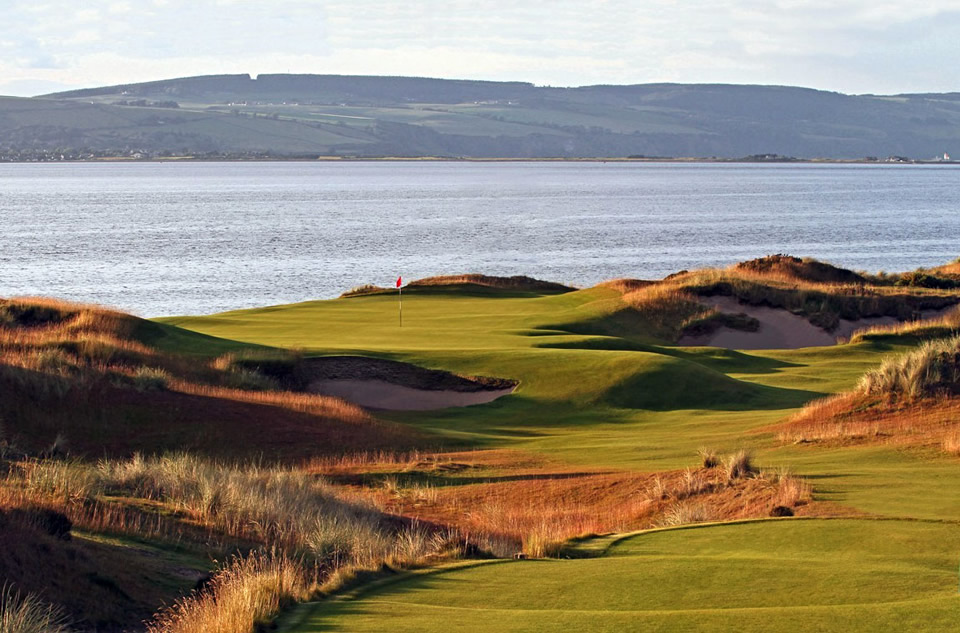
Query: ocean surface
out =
(195, 238)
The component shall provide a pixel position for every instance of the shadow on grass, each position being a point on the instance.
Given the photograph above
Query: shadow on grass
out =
(716, 358)
(405, 479)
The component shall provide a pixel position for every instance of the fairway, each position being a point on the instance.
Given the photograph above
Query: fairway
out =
(809, 575)
(597, 392)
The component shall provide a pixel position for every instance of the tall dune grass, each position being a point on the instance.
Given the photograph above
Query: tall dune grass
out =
(943, 326)
(932, 369)
(272, 506)
(242, 597)
(303, 529)
(28, 614)
(822, 302)
(666, 309)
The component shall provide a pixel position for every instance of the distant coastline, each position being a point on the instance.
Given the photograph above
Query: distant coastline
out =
(298, 117)
(455, 159)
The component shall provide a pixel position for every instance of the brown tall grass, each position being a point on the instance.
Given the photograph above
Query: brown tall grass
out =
(516, 282)
(73, 370)
(28, 613)
(943, 326)
(313, 530)
(328, 406)
(951, 442)
(823, 303)
(242, 597)
(270, 506)
(536, 509)
(667, 310)
(932, 369)
(808, 270)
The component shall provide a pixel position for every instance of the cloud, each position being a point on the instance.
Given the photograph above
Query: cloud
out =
(850, 46)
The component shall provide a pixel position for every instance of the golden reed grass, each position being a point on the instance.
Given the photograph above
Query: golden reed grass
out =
(942, 326)
(243, 595)
(21, 613)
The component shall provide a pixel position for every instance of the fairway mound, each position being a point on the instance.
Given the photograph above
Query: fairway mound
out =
(664, 383)
(517, 282)
(910, 399)
(806, 269)
(625, 285)
(951, 270)
(84, 380)
(377, 383)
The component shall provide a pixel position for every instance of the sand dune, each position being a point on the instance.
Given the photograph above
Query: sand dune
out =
(780, 329)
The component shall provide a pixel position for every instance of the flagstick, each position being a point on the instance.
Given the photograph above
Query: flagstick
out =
(400, 298)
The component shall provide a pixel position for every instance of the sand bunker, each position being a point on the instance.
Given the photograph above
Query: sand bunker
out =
(780, 329)
(385, 384)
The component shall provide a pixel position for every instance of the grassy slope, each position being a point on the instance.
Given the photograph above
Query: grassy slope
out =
(622, 401)
(812, 575)
(71, 371)
(633, 405)
(113, 127)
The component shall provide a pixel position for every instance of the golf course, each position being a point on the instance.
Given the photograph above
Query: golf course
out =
(597, 392)
(548, 458)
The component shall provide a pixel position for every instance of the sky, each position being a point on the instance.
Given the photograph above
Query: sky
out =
(850, 46)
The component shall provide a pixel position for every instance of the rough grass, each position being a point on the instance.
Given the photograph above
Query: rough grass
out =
(940, 327)
(528, 506)
(738, 465)
(245, 595)
(669, 313)
(951, 442)
(517, 282)
(666, 310)
(931, 370)
(307, 530)
(822, 303)
(28, 614)
(805, 270)
(909, 399)
(270, 506)
(820, 292)
(86, 373)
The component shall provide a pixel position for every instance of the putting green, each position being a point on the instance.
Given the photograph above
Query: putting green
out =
(786, 575)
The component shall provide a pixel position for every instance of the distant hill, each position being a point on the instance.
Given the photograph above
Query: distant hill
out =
(314, 115)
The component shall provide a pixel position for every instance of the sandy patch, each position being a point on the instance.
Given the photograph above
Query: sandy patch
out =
(385, 384)
(779, 329)
(380, 394)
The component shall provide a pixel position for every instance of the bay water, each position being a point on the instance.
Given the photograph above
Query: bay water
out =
(202, 237)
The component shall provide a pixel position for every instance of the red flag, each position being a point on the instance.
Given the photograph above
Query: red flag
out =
(399, 281)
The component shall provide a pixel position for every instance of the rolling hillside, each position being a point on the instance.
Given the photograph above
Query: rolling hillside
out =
(331, 115)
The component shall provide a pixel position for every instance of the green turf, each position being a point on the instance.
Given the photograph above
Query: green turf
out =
(794, 575)
(596, 390)
(614, 399)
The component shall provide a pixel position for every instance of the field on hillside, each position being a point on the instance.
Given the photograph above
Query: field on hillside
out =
(649, 485)
(238, 116)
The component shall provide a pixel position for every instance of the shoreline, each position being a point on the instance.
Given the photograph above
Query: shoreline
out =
(448, 159)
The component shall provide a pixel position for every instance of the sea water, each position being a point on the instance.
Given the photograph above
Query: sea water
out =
(201, 237)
